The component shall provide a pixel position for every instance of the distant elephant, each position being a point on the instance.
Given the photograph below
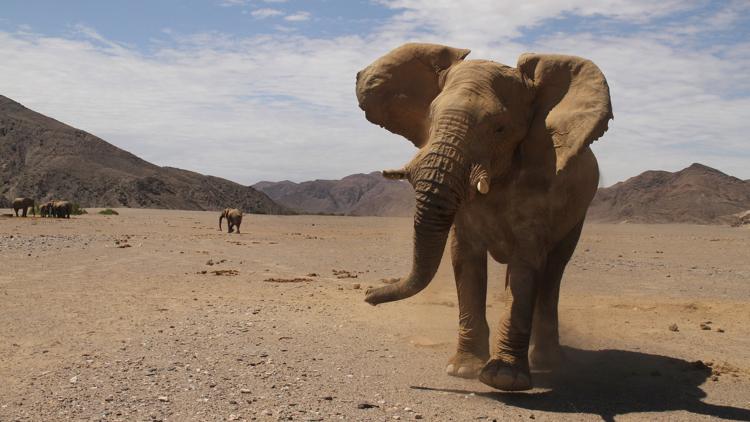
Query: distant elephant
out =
(45, 210)
(504, 161)
(234, 218)
(62, 209)
(23, 204)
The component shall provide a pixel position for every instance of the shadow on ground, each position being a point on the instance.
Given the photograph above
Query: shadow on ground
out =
(616, 382)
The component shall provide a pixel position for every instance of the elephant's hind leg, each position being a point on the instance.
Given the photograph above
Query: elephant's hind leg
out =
(470, 270)
(546, 353)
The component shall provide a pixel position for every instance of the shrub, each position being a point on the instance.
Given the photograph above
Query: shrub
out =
(77, 210)
(109, 211)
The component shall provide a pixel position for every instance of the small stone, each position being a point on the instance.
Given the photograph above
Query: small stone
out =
(163, 399)
(233, 417)
(356, 286)
(74, 379)
(674, 328)
(719, 330)
(245, 390)
(396, 417)
(418, 416)
(365, 405)
(705, 326)
(329, 398)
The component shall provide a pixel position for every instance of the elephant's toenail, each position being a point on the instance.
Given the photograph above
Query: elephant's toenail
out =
(464, 371)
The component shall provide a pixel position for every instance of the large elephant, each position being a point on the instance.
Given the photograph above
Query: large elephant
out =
(23, 204)
(234, 218)
(504, 161)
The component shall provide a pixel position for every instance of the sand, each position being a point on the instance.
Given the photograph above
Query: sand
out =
(156, 315)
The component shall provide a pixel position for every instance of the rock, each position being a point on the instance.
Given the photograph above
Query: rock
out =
(163, 399)
(233, 417)
(74, 379)
(365, 405)
(245, 390)
(705, 326)
(356, 286)
(674, 328)
(719, 330)
(418, 416)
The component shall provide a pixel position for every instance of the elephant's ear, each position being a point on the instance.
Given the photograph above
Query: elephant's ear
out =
(397, 89)
(572, 96)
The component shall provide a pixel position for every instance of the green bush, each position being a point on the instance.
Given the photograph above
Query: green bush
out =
(77, 210)
(109, 211)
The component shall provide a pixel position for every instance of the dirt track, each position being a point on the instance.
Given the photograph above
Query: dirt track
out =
(122, 318)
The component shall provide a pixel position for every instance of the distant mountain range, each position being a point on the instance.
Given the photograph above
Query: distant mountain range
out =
(697, 194)
(44, 159)
(358, 194)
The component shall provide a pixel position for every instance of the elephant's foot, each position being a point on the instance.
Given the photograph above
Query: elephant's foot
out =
(465, 365)
(546, 357)
(508, 376)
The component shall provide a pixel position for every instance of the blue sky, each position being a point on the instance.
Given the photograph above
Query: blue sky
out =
(264, 89)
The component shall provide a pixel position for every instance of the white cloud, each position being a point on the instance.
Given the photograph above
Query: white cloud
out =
(232, 3)
(298, 17)
(266, 13)
(283, 106)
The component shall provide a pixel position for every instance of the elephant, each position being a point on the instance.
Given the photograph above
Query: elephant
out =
(234, 218)
(62, 209)
(23, 204)
(504, 166)
(46, 209)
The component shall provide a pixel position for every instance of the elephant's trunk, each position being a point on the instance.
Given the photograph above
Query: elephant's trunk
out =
(440, 181)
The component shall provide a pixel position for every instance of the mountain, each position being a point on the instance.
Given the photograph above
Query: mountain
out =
(44, 159)
(358, 194)
(697, 194)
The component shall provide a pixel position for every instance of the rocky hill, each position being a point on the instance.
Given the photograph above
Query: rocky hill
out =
(44, 159)
(697, 194)
(358, 194)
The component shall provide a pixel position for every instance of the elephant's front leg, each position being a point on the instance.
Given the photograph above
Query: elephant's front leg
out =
(509, 367)
(470, 269)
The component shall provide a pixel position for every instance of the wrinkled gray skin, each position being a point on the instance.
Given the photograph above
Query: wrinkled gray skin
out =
(23, 204)
(504, 164)
(234, 219)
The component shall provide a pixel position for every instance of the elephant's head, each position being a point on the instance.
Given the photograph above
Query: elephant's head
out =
(468, 119)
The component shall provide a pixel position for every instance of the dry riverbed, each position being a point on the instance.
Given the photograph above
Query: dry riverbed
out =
(156, 315)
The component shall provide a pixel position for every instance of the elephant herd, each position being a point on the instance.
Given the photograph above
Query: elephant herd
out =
(56, 208)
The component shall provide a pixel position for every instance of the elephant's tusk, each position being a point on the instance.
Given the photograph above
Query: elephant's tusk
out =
(395, 174)
(480, 179)
(483, 186)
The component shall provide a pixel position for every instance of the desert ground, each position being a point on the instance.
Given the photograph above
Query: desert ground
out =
(156, 315)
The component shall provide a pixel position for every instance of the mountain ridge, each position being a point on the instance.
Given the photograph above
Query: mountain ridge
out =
(43, 158)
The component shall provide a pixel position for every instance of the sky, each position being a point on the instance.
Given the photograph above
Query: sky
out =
(255, 90)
